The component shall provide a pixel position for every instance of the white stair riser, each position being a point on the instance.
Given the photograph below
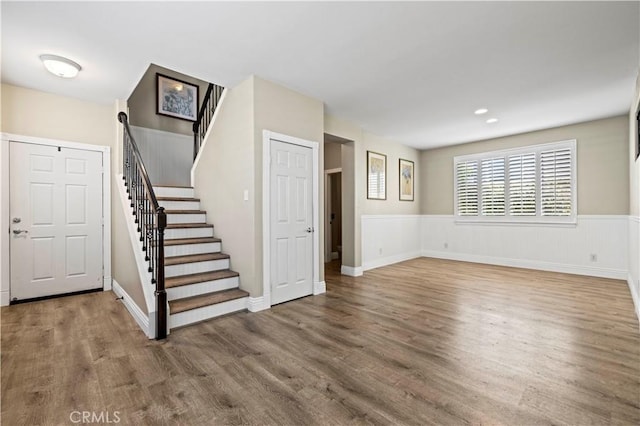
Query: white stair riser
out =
(186, 218)
(196, 267)
(183, 291)
(207, 312)
(185, 249)
(176, 233)
(180, 205)
(164, 191)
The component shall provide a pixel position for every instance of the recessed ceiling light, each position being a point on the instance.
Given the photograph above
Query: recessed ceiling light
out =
(481, 111)
(492, 120)
(59, 66)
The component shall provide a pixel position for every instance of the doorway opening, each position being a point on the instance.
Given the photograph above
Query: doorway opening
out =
(339, 203)
(333, 203)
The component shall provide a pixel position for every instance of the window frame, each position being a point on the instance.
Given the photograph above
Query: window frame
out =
(571, 219)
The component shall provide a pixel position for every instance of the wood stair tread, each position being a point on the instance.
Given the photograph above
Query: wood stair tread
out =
(199, 278)
(177, 199)
(190, 258)
(188, 225)
(182, 241)
(195, 302)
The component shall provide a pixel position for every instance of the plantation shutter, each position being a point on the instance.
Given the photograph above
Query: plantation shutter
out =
(492, 186)
(527, 184)
(555, 182)
(522, 184)
(467, 188)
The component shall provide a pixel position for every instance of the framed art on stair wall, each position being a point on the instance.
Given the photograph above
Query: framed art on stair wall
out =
(176, 98)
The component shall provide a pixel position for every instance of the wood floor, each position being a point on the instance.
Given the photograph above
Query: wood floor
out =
(421, 342)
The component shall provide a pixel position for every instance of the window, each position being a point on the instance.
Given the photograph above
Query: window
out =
(467, 187)
(530, 184)
(492, 186)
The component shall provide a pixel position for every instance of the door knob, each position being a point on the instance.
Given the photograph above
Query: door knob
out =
(20, 231)
(309, 229)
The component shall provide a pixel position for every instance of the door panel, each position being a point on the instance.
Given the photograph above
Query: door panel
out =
(291, 222)
(56, 220)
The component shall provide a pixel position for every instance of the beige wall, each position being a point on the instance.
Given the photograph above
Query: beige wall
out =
(332, 155)
(354, 178)
(602, 165)
(634, 165)
(33, 113)
(394, 151)
(634, 202)
(123, 264)
(285, 111)
(231, 162)
(143, 107)
(225, 169)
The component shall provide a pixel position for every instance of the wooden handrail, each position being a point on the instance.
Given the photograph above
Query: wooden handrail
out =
(150, 218)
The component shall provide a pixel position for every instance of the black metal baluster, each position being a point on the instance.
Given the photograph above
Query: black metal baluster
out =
(150, 218)
(161, 294)
(154, 257)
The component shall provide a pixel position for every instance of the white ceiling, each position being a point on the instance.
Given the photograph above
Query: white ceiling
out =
(412, 72)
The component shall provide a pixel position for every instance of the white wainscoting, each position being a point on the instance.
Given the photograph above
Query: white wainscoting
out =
(613, 239)
(388, 239)
(167, 156)
(552, 248)
(633, 278)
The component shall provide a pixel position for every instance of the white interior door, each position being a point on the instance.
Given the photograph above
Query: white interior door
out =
(291, 213)
(56, 220)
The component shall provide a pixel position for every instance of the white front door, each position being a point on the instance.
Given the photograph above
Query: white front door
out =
(291, 213)
(55, 220)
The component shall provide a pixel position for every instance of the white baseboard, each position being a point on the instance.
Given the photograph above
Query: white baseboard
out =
(531, 264)
(390, 260)
(140, 317)
(257, 304)
(319, 288)
(634, 295)
(351, 271)
(106, 283)
(5, 298)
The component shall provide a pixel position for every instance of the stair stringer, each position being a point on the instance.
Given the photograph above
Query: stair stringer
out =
(148, 289)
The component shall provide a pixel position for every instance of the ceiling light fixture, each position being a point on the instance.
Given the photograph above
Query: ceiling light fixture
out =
(481, 111)
(59, 66)
(492, 120)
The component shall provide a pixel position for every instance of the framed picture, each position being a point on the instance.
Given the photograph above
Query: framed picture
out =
(176, 98)
(406, 176)
(376, 176)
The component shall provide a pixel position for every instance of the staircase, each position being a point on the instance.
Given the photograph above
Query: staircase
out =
(183, 261)
(198, 281)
